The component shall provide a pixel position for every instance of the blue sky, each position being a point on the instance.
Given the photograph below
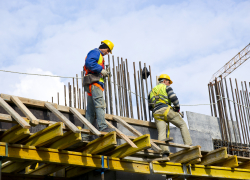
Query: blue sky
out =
(189, 40)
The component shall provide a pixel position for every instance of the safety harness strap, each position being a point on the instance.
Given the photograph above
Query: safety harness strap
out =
(156, 116)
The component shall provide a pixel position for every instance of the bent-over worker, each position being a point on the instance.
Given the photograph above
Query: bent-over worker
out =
(94, 85)
(160, 99)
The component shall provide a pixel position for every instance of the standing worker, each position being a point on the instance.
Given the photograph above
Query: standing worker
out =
(160, 99)
(94, 85)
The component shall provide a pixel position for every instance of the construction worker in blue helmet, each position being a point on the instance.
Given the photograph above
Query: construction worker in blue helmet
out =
(94, 85)
(160, 99)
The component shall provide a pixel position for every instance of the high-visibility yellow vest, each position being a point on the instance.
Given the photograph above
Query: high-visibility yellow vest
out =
(159, 95)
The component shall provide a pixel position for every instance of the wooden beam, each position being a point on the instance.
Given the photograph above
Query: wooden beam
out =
(142, 142)
(135, 132)
(25, 110)
(14, 114)
(85, 121)
(14, 134)
(45, 136)
(41, 104)
(178, 145)
(215, 156)
(121, 135)
(67, 122)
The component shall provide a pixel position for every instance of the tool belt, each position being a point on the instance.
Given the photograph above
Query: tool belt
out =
(91, 78)
(157, 117)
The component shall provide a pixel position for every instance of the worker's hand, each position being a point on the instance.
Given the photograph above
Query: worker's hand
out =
(176, 109)
(105, 73)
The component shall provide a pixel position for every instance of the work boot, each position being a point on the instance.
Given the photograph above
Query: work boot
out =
(108, 129)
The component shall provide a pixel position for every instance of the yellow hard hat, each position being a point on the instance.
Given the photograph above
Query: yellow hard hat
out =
(165, 76)
(109, 44)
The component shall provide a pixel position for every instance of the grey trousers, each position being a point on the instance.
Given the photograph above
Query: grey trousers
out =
(175, 119)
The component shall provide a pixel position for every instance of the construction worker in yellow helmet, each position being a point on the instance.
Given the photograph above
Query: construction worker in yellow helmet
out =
(94, 85)
(160, 99)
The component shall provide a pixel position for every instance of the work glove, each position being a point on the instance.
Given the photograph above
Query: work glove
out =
(176, 109)
(105, 73)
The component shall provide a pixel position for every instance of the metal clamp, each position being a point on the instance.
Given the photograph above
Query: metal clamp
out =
(185, 171)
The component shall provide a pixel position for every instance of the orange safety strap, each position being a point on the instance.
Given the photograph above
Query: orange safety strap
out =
(95, 84)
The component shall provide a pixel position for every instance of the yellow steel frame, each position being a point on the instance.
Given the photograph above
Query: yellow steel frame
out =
(142, 142)
(15, 134)
(46, 136)
(170, 168)
(47, 155)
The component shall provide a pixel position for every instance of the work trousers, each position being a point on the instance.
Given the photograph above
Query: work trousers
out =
(174, 118)
(96, 107)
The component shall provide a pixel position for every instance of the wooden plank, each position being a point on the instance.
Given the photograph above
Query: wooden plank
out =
(134, 131)
(41, 104)
(85, 121)
(45, 136)
(178, 145)
(14, 114)
(14, 134)
(142, 142)
(231, 161)
(186, 155)
(67, 122)
(121, 135)
(215, 156)
(25, 110)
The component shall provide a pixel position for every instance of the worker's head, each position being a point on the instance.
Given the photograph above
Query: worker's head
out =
(106, 47)
(164, 78)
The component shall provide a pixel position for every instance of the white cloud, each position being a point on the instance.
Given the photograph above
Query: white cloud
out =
(38, 87)
(188, 40)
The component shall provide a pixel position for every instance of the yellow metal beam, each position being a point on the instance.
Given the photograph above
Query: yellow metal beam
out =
(14, 134)
(47, 155)
(186, 155)
(215, 156)
(142, 142)
(45, 136)
(100, 144)
(169, 168)
(245, 165)
(14, 167)
(231, 161)
(69, 138)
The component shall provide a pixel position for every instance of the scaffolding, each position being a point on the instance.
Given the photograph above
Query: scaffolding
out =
(58, 148)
